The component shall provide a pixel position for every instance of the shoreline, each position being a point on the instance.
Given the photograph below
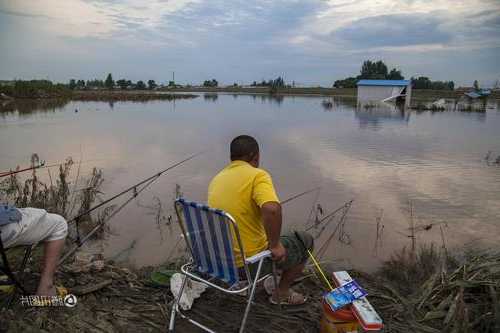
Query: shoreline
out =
(114, 298)
(193, 92)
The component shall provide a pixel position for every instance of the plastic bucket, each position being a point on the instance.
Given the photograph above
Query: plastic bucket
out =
(340, 321)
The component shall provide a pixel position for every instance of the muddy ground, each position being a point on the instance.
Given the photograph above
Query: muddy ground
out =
(125, 301)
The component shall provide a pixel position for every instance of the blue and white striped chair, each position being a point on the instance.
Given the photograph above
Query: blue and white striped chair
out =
(209, 237)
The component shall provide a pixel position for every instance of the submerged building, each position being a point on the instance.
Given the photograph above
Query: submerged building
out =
(374, 91)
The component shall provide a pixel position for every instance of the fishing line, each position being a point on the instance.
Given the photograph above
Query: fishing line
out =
(137, 189)
(299, 195)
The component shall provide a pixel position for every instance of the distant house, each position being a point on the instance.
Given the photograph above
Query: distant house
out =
(370, 91)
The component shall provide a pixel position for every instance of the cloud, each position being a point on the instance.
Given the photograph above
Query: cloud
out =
(394, 30)
(77, 18)
(309, 41)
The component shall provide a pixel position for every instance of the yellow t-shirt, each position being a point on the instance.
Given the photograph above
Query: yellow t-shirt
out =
(240, 190)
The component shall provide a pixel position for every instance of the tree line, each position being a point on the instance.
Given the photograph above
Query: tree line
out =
(276, 83)
(34, 89)
(109, 83)
(378, 70)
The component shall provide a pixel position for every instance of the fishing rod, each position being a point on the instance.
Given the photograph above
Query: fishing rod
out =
(133, 187)
(316, 263)
(137, 189)
(10, 173)
(316, 223)
(299, 195)
(41, 165)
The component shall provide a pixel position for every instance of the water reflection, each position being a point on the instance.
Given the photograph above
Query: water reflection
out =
(373, 116)
(210, 97)
(436, 160)
(28, 106)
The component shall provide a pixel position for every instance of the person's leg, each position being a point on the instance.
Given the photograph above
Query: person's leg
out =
(52, 252)
(296, 245)
(37, 225)
(287, 278)
(53, 246)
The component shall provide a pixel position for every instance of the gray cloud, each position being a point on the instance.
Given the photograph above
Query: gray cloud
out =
(244, 41)
(395, 30)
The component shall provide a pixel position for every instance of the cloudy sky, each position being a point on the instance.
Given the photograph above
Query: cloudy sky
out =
(308, 41)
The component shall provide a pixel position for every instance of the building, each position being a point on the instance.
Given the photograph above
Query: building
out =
(373, 91)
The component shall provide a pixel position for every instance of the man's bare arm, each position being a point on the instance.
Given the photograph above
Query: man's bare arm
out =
(271, 217)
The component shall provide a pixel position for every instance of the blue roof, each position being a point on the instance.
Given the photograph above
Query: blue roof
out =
(383, 82)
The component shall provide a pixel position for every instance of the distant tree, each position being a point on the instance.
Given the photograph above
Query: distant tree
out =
(171, 83)
(395, 74)
(35, 89)
(476, 85)
(373, 70)
(276, 83)
(210, 83)
(95, 83)
(349, 82)
(140, 85)
(424, 82)
(123, 84)
(152, 84)
(72, 84)
(80, 84)
(109, 83)
(235, 84)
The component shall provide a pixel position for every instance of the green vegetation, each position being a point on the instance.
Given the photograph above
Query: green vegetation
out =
(152, 84)
(374, 70)
(109, 83)
(210, 83)
(377, 70)
(277, 83)
(140, 85)
(423, 82)
(60, 196)
(35, 89)
(124, 84)
(476, 85)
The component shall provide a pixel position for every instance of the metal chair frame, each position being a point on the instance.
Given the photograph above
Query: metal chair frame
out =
(6, 269)
(188, 271)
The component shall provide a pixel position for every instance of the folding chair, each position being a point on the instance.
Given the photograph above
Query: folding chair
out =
(6, 269)
(209, 237)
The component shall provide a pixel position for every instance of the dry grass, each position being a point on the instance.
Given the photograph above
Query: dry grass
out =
(59, 194)
(419, 294)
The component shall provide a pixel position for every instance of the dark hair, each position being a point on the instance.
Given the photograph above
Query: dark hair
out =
(244, 147)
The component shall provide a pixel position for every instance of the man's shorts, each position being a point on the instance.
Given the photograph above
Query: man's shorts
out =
(36, 225)
(296, 253)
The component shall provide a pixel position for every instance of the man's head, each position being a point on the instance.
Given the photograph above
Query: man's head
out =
(245, 148)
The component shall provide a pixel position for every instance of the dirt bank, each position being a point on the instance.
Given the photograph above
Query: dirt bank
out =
(412, 292)
(117, 299)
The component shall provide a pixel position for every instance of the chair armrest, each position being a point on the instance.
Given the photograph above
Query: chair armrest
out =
(257, 257)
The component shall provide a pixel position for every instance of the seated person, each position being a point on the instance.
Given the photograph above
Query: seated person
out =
(27, 226)
(247, 194)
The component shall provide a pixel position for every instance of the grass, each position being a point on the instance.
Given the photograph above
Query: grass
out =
(431, 292)
(59, 194)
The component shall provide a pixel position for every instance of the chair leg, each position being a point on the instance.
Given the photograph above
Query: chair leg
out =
(250, 298)
(175, 305)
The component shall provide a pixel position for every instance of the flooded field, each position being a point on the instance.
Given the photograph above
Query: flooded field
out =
(383, 159)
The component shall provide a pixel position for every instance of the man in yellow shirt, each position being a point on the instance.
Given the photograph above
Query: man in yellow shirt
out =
(247, 194)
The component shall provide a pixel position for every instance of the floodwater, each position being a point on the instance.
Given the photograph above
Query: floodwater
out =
(381, 158)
